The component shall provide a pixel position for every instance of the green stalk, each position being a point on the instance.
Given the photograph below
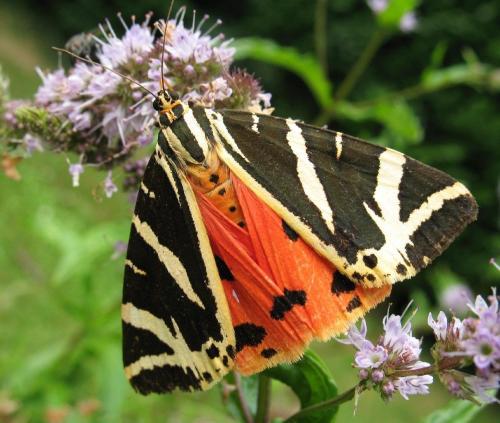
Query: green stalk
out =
(332, 402)
(361, 64)
(263, 399)
(320, 34)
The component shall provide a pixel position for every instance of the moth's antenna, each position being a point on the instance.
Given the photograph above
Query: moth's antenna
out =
(162, 79)
(128, 78)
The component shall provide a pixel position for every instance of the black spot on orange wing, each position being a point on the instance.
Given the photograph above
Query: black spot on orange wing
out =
(224, 272)
(214, 178)
(248, 334)
(241, 224)
(284, 303)
(268, 352)
(232, 209)
(354, 303)
(341, 284)
(222, 191)
(290, 233)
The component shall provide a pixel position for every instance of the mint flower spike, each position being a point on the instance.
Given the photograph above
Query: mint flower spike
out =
(387, 366)
(475, 340)
(104, 119)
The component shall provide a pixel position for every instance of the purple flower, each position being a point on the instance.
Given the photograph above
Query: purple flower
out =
(440, 326)
(120, 248)
(378, 376)
(484, 347)
(377, 6)
(75, 170)
(397, 350)
(455, 297)
(413, 385)
(135, 46)
(480, 387)
(355, 336)
(370, 356)
(388, 388)
(109, 187)
(32, 143)
(408, 22)
(363, 374)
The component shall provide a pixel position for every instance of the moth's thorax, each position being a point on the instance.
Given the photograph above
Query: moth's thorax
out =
(214, 182)
(182, 132)
(170, 112)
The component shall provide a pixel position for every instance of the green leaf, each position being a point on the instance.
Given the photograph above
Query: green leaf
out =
(458, 411)
(311, 381)
(391, 16)
(303, 65)
(400, 121)
(401, 125)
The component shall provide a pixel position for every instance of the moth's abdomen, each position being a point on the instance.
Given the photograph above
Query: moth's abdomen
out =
(214, 181)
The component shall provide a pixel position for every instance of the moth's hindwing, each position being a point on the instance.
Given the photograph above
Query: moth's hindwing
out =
(177, 330)
(376, 214)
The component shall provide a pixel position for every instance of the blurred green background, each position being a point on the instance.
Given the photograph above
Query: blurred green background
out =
(433, 93)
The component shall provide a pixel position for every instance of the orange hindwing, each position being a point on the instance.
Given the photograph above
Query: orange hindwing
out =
(281, 293)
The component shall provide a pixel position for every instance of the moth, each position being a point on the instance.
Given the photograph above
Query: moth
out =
(253, 235)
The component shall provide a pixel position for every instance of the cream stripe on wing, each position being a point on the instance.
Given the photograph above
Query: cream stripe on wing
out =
(311, 185)
(168, 171)
(389, 177)
(433, 203)
(183, 356)
(135, 268)
(217, 121)
(338, 144)
(196, 130)
(168, 258)
(255, 120)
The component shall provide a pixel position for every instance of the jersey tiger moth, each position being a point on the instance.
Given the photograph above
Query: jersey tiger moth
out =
(253, 235)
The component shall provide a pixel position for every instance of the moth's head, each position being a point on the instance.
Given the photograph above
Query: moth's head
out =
(169, 107)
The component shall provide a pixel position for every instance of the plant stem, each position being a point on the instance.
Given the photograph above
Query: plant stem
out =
(263, 399)
(245, 410)
(333, 402)
(361, 64)
(320, 34)
(445, 364)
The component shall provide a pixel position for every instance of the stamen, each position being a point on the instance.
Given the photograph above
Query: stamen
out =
(194, 20)
(108, 23)
(203, 20)
(215, 25)
(120, 18)
(179, 16)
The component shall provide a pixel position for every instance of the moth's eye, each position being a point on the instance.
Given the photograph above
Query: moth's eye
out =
(174, 97)
(157, 104)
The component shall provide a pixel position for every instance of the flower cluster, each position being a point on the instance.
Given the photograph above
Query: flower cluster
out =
(393, 362)
(388, 364)
(105, 118)
(475, 340)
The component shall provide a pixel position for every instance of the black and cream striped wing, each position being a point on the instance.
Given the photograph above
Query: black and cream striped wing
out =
(177, 331)
(376, 214)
